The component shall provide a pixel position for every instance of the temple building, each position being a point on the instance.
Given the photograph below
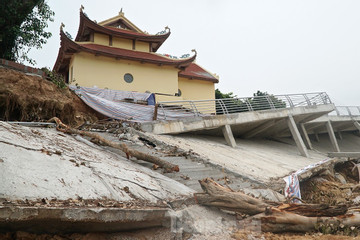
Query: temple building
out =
(116, 54)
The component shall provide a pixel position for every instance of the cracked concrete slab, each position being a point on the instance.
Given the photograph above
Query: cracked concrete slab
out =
(44, 163)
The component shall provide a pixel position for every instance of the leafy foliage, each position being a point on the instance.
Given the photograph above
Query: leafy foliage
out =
(55, 77)
(23, 25)
(220, 95)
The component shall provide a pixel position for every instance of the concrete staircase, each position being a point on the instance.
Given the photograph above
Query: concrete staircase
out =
(193, 169)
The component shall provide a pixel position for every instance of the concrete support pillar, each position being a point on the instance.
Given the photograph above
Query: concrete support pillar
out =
(317, 137)
(339, 135)
(296, 136)
(230, 140)
(357, 125)
(305, 136)
(332, 137)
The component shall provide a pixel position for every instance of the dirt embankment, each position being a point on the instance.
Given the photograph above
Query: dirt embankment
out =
(31, 98)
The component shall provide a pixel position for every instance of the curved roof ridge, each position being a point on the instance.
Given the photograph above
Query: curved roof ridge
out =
(86, 22)
(70, 47)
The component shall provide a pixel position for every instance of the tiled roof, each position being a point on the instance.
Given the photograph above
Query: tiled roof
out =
(69, 47)
(86, 25)
(134, 55)
(126, 31)
(194, 71)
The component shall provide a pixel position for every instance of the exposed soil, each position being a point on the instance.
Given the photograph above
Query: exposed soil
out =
(327, 188)
(31, 98)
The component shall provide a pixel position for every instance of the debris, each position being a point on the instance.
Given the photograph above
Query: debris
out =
(147, 142)
(185, 177)
(169, 167)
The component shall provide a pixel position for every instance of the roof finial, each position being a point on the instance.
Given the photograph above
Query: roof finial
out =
(81, 8)
(167, 28)
(62, 25)
(121, 12)
(193, 50)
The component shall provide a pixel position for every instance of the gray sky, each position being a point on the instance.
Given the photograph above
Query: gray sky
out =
(278, 46)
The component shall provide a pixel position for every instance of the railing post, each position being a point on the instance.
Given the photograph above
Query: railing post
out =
(221, 104)
(268, 98)
(307, 99)
(225, 110)
(289, 100)
(248, 104)
(196, 112)
(348, 110)
(162, 108)
(325, 97)
(337, 111)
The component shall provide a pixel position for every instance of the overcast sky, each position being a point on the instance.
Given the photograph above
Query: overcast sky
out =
(275, 46)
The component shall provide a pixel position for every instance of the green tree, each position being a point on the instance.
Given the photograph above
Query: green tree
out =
(22, 24)
(220, 95)
(229, 102)
(259, 101)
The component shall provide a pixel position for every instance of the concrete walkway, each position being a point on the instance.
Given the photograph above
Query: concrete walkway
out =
(263, 123)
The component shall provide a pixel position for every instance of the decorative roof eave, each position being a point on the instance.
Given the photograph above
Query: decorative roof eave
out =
(85, 23)
(198, 78)
(70, 47)
(194, 74)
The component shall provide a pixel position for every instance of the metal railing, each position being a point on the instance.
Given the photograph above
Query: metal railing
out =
(179, 109)
(352, 111)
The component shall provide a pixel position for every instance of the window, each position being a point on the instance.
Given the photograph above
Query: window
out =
(128, 78)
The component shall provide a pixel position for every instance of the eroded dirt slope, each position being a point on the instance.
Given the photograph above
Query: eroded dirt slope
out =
(31, 98)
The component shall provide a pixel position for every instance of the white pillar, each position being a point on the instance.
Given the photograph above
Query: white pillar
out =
(305, 136)
(229, 137)
(332, 136)
(296, 136)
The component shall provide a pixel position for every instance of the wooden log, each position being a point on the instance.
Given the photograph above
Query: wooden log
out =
(278, 221)
(277, 217)
(169, 167)
(218, 196)
(314, 210)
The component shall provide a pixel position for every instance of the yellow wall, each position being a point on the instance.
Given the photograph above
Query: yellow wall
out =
(198, 90)
(104, 72)
(122, 43)
(142, 46)
(101, 39)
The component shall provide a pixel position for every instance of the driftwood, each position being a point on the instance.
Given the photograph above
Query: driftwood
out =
(281, 221)
(169, 167)
(278, 217)
(218, 196)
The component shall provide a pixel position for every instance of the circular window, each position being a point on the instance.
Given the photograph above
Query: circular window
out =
(128, 78)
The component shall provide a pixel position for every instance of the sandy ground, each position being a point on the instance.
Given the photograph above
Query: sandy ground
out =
(257, 159)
